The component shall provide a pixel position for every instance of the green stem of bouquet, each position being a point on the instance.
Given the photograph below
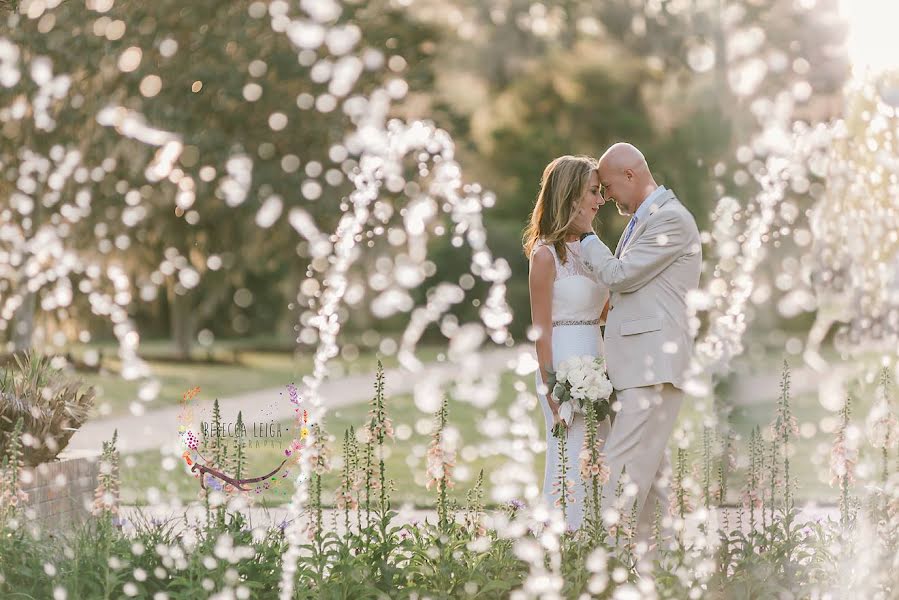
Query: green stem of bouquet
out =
(563, 475)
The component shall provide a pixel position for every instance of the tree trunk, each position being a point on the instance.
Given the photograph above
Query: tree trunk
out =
(180, 322)
(184, 318)
(23, 323)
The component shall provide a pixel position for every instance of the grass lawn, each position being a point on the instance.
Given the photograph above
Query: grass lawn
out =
(239, 368)
(406, 456)
(809, 453)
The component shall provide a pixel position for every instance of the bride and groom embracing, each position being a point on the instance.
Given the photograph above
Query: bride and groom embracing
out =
(576, 283)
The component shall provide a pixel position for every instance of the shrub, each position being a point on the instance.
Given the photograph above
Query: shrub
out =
(51, 404)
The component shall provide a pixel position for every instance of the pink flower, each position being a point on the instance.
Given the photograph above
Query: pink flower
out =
(842, 460)
(320, 463)
(374, 427)
(441, 463)
(308, 528)
(674, 504)
(345, 500)
(785, 426)
(473, 522)
(357, 479)
(619, 529)
(883, 432)
(590, 469)
(190, 439)
(751, 499)
(569, 492)
(104, 501)
(12, 498)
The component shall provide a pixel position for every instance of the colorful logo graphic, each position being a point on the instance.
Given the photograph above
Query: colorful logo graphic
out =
(217, 454)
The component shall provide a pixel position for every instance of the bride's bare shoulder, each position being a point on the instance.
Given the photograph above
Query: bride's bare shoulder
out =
(542, 259)
(541, 253)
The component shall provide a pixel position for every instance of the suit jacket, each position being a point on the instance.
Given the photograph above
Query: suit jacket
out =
(646, 336)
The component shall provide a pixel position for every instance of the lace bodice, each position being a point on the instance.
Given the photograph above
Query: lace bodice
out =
(577, 295)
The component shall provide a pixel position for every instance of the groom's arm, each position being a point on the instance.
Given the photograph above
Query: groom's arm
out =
(658, 246)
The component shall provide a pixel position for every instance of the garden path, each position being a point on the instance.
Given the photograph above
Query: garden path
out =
(156, 428)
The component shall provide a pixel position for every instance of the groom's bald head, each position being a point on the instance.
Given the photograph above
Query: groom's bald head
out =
(625, 176)
(623, 156)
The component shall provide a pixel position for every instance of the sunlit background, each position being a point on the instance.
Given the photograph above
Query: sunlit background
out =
(871, 41)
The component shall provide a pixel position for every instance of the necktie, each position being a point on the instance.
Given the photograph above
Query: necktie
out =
(627, 234)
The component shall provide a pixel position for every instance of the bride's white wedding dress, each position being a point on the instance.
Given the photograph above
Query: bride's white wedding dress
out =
(578, 300)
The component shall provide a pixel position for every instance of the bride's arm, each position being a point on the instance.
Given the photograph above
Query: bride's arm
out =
(605, 312)
(540, 284)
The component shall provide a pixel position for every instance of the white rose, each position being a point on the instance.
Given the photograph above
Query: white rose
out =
(605, 390)
(580, 374)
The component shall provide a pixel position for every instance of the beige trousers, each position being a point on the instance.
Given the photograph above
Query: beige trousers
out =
(638, 442)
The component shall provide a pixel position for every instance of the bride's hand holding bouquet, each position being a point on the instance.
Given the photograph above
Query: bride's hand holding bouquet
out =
(579, 382)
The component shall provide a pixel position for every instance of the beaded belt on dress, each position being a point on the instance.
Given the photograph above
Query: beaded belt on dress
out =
(575, 322)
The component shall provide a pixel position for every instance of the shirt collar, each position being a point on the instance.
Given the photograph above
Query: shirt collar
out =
(643, 211)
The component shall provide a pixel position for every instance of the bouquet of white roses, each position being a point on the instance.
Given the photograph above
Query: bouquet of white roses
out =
(578, 382)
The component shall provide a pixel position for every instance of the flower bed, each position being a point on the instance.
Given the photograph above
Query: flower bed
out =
(697, 549)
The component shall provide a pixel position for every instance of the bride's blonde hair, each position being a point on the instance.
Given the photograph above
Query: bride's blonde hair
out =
(563, 184)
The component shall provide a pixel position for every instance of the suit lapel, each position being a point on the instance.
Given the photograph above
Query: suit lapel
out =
(657, 204)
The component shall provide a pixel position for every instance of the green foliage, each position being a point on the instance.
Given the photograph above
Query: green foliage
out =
(106, 495)
(12, 497)
(218, 50)
(608, 71)
(459, 556)
(440, 463)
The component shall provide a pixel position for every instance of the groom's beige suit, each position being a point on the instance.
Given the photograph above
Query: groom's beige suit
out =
(647, 340)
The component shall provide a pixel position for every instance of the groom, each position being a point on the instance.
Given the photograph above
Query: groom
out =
(648, 344)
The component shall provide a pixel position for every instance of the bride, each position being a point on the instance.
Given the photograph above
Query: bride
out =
(567, 302)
